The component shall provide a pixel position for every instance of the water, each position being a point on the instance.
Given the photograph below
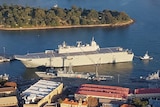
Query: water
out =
(141, 36)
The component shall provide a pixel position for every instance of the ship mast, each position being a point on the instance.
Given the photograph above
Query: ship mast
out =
(70, 68)
(97, 75)
(97, 70)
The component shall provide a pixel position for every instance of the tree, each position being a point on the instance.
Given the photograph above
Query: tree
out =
(60, 13)
(39, 16)
(75, 20)
(50, 14)
(123, 16)
(93, 14)
(74, 8)
(140, 103)
(92, 102)
(19, 16)
(109, 18)
(68, 15)
(83, 21)
(1, 18)
(55, 21)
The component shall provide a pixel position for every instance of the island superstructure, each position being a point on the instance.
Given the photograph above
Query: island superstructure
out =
(65, 55)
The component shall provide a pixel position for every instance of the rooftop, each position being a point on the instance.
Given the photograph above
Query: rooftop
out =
(103, 91)
(41, 88)
(146, 90)
(4, 89)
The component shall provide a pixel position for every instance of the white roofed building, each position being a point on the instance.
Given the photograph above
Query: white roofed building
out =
(41, 92)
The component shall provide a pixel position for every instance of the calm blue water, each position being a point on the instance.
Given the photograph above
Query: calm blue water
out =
(142, 36)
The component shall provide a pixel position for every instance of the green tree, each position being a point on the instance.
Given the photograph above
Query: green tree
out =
(123, 16)
(39, 16)
(140, 103)
(1, 18)
(19, 16)
(75, 20)
(83, 21)
(93, 14)
(60, 13)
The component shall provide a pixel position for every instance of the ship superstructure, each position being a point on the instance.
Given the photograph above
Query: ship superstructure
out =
(79, 55)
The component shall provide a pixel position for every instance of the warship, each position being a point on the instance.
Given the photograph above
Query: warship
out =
(79, 55)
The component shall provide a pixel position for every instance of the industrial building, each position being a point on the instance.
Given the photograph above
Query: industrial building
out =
(147, 93)
(102, 92)
(41, 93)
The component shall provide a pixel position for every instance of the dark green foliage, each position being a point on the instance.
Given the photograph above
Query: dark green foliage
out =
(18, 16)
(140, 102)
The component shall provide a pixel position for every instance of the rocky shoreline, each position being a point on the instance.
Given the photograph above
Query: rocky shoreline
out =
(74, 26)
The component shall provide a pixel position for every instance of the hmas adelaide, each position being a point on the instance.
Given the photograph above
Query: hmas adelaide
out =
(79, 55)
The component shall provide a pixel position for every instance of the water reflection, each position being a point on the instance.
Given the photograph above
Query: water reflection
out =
(106, 68)
(29, 74)
(121, 72)
(145, 62)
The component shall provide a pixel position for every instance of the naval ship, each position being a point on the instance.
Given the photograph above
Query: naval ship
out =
(79, 55)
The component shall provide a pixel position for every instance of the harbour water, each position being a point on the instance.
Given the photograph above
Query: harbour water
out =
(141, 36)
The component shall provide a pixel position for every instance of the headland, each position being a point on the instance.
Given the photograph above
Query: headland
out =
(119, 24)
(17, 17)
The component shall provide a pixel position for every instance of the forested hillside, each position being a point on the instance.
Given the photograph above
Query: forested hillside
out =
(15, 16)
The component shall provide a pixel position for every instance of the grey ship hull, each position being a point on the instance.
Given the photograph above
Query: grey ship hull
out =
(54, 59)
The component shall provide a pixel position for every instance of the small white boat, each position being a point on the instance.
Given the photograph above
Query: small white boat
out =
(46, 75)
(50, 73)
(103, 78)
(3, 59)
(146, 57)
(4, 77)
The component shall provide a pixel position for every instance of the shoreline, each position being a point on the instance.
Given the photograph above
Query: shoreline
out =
(73, 26)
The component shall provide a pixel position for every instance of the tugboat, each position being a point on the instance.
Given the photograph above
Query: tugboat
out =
(146, 57)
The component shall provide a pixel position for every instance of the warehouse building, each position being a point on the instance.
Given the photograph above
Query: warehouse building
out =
(41, 93)
(147, 93)
(102, 92)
